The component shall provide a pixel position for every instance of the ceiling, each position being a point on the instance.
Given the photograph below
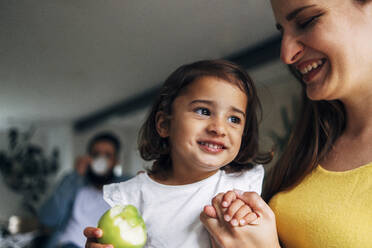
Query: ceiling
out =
(64, 60)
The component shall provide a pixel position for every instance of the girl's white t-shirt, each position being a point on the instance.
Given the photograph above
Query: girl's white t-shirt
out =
(171, 213)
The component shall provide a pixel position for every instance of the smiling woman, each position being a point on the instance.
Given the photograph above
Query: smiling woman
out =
(321, 188)
(312, 32)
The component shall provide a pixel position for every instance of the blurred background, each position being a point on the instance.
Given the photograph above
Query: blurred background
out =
(71, 68)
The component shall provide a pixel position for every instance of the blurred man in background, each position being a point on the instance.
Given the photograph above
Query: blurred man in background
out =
(69, 209)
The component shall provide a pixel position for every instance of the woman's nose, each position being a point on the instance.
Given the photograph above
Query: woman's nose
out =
(291, 49)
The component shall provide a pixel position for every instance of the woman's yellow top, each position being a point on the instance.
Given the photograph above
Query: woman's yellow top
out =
(327, 209)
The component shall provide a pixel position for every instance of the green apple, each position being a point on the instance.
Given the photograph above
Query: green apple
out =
(123, 227)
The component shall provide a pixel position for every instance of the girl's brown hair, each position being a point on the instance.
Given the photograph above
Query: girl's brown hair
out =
(318, 126)
(153, 147)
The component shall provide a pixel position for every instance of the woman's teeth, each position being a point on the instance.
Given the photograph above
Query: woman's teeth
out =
(214, 146)
(312, 66)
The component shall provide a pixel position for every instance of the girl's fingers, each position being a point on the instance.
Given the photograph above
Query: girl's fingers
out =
(228, 197)
(92, 232)
(231, 211)
(90, 244)
(239, 216)
(242, 215)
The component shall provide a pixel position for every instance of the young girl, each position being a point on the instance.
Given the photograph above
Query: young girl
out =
(202, 133)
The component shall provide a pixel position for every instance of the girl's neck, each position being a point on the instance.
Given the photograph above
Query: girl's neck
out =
(175, 177)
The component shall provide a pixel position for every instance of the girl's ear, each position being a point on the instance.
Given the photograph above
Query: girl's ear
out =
(162, 124)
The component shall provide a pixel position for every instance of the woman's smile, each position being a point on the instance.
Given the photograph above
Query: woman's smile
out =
(310, 69)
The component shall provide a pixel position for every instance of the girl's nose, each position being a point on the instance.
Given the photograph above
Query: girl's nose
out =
(217, 128)
(291, 49)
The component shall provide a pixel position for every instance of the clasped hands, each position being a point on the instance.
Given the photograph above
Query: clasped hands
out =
(236, 219)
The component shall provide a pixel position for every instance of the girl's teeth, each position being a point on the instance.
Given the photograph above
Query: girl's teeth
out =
(211, 145)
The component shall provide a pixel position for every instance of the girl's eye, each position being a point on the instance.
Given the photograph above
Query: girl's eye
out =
(202, 111)
(234, 119)
(308, 22)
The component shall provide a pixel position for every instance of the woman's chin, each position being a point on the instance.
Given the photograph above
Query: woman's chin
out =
(314, 97)
(315, 92)
(320, 95)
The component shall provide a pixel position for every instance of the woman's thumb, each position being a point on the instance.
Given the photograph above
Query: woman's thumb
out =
(255, 202)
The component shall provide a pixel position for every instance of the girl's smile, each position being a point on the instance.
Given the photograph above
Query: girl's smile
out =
(212, 146)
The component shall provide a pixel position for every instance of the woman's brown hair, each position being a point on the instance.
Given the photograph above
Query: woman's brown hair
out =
(318, 126)
(154, 147)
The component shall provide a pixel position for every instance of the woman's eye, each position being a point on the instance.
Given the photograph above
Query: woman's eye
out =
(279, 28)
(234, 119)
(308, 22)
(202, 111)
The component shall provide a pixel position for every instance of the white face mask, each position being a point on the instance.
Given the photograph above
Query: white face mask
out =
(100, 166)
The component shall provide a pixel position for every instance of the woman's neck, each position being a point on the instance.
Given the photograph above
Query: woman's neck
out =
(352, 149)
(359, 114)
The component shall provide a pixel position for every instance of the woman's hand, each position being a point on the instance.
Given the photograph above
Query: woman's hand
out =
(92, 234)
(261, 235)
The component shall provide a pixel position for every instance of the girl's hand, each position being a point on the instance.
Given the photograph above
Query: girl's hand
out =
(92, 234)
(236, 212)
(263, 234)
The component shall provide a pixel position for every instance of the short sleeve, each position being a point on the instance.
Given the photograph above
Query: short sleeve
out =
(112, 194)
(128, 192)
